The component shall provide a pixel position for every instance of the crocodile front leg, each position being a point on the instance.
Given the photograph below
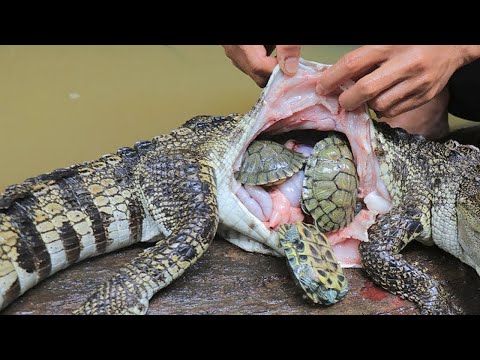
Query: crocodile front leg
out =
(383, 262)
(179, 192)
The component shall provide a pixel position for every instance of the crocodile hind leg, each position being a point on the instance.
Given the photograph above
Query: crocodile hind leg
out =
(180, 193)
(383, 262)
(130, 290)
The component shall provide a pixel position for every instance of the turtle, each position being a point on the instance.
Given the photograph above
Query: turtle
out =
(312, 262)
(268, 163)
(310, 257)
(330, 185)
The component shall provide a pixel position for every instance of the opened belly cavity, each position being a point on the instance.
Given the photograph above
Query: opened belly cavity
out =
(307, 175)
(327, 196)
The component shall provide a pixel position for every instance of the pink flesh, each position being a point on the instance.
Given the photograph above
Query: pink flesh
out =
(292, 188)
(263, 199)
(251, 204)
(283, 212)
(292, 104)
(347, 253)
(357, 229)
(294, 145)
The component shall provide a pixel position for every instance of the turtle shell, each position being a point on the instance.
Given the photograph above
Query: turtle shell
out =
(330, 185)
(266, 162)
(312, 263)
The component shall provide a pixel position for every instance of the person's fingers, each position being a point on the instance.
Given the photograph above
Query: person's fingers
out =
(261, 80)
(252, 60)
(349, 66)
(395, 94)
(408, 103)
(361, 74)
(373, 84)
(261, 68)
(288, 57)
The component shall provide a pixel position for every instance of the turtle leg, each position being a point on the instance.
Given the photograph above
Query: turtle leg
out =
(383, 262)
(182, 199)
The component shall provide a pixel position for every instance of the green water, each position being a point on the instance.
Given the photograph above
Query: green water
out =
(61, 105)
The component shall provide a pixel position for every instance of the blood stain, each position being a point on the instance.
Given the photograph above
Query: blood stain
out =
(373, 292)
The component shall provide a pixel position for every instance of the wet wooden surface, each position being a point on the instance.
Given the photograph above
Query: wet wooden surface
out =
(227, 280)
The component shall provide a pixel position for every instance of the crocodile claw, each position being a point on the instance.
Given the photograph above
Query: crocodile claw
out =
(442, 303)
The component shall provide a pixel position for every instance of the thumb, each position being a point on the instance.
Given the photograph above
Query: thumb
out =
(288, 56)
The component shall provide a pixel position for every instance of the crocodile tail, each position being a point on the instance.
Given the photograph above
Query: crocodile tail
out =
(57, 219)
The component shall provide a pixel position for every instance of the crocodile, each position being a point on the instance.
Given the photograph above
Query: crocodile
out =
(178, 190)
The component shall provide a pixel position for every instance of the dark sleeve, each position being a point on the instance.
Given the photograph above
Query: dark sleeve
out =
(464, 89)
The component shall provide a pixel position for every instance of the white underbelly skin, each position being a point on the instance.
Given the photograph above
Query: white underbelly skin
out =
(243, 221)
(246, 243)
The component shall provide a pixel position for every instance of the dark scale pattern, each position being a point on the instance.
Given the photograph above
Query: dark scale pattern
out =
(71, 240)
(383, 263)
(180, 193)
(103, 204)
(426, 181)
(75, 186)
(33, 254)
(56, 219)
(310, 258)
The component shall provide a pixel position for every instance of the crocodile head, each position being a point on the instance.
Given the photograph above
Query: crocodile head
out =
(289, 104)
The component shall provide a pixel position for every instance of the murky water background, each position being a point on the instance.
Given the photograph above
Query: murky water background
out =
(61, 105)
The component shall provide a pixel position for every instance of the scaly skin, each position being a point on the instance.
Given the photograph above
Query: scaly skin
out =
(383, 263)
(434, 189)
(176, 189)
(163, 191)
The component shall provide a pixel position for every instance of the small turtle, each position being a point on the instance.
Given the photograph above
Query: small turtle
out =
(310, 256)
(330, 184)
(312, 262)
(268, 163)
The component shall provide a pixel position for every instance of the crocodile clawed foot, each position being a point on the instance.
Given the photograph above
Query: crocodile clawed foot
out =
(102, 303)
(140, 308)
(441, 303)
(441, 309)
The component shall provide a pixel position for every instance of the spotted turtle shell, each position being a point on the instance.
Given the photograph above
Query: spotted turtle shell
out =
(330, 185)
(313, 263)
(266, 162)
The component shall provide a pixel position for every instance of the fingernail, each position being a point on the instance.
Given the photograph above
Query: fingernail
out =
(291, 65)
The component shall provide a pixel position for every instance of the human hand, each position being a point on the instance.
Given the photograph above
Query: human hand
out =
(394, 79)
(429, 120)
(256, 62)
